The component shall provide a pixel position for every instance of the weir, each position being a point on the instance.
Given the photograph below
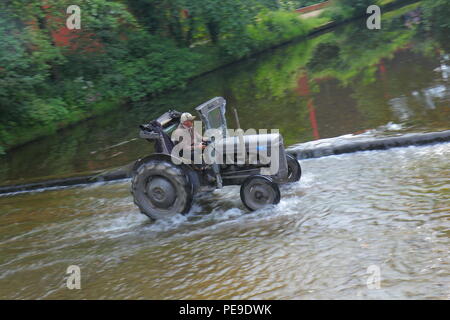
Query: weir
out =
(308, 150)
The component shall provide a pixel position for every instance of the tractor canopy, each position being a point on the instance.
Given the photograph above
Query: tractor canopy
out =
(212, 114)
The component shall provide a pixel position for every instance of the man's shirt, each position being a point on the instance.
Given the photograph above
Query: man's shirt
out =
(192, 137)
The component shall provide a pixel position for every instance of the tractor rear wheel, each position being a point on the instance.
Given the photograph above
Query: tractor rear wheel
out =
(257, 191)
(161, 189)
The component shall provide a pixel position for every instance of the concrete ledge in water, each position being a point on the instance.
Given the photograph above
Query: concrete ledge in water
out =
(354, 143)
(110, 175)
(313, 149)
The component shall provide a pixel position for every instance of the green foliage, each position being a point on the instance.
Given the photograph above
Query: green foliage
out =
(46, 85)
(154, 68)
(48, 111)
(223, 23)
(345, 9)
(275, 27)
(295, 4)
(21, 70)
(24, 74)
(436, 15)
(268, 29)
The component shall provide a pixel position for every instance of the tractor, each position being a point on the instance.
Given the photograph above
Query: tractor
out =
(165, 184)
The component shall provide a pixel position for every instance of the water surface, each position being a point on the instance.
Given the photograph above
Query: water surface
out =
(318, 243)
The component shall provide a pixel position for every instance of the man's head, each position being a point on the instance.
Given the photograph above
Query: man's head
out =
(187, 119)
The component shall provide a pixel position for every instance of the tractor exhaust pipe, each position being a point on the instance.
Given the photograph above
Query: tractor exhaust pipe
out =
(236, 117)
(240, 135)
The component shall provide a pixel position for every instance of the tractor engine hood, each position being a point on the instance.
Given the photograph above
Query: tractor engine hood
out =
(257, 141)
(256, 149)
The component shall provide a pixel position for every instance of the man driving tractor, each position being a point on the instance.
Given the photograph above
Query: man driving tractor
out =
(162, 187)
(187, 138)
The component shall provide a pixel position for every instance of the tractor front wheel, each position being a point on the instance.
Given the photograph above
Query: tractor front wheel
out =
(257, 191)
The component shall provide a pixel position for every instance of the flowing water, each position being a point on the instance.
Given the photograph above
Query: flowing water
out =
(319, 242)
(387, 211)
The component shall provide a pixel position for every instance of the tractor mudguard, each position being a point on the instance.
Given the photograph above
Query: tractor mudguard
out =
(193, 176)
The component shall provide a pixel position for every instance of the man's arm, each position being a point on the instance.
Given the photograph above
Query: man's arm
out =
(182, 139)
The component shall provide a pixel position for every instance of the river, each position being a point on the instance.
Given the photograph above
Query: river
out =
(384, 210)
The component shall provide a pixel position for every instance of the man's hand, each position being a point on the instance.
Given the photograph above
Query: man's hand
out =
(200, 146)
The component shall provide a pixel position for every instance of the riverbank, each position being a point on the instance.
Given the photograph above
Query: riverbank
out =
(209, 58)
(80, 80)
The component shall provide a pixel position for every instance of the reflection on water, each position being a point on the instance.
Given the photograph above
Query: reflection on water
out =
(317, 243)
(345, 81)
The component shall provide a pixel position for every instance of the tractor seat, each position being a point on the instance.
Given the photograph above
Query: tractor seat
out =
(156, 127)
